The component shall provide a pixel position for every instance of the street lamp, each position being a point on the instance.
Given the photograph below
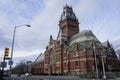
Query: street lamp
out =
(11, 62)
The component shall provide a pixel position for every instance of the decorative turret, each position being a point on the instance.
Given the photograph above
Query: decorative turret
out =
(62, 37)
(108, 44)
(51, 37)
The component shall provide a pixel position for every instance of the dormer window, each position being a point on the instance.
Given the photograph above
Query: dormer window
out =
(64, 12)
(70, 13)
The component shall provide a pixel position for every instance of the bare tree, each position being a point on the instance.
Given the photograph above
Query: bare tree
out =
(20, 68)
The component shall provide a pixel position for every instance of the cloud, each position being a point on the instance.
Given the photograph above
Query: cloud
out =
(97, 15)
(100, 17)
(14, 13)
(4, 30)
(43, 25)
(21, 53)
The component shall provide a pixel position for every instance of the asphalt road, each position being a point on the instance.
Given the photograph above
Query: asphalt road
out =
(67, 78)
(51, 78)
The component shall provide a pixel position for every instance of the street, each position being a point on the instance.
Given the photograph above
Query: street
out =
(34, 77)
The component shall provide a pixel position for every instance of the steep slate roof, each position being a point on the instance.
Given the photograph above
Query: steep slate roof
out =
(85, 37)
(40, 58)
(106, 44)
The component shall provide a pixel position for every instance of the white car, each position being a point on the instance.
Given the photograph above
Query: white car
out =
(28, 74)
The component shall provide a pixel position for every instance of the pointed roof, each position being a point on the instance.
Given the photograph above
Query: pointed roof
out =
(51, 37)
(106, 44)
(61, 35)
(68, 13)
(84, 36)
(40, 58)
(85, 39)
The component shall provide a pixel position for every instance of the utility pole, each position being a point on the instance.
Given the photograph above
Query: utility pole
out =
(103, 56)
(95, 58)
(96, 63)
(104, 76)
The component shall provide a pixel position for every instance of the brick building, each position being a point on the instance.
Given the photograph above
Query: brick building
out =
(38, 65)
(75, 51)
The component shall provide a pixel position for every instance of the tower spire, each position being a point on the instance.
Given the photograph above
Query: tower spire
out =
(51, 37)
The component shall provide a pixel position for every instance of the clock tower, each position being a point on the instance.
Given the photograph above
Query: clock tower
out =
(68, 22)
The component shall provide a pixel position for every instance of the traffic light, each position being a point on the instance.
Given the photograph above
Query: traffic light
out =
(75, 46)
(6, 53)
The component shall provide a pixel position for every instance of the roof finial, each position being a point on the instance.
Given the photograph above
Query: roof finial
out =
(66, 3)
(51, 37)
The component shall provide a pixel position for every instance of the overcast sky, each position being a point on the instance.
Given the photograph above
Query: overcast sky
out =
(100, 16)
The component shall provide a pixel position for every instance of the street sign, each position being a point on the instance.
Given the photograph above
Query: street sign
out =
(0, 64)
(10, 62)
(103, 55)
(4, 64)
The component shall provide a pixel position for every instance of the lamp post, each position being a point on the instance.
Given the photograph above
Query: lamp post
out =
(11, 61)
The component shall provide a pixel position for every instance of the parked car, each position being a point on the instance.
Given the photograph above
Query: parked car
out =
(28, 74)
